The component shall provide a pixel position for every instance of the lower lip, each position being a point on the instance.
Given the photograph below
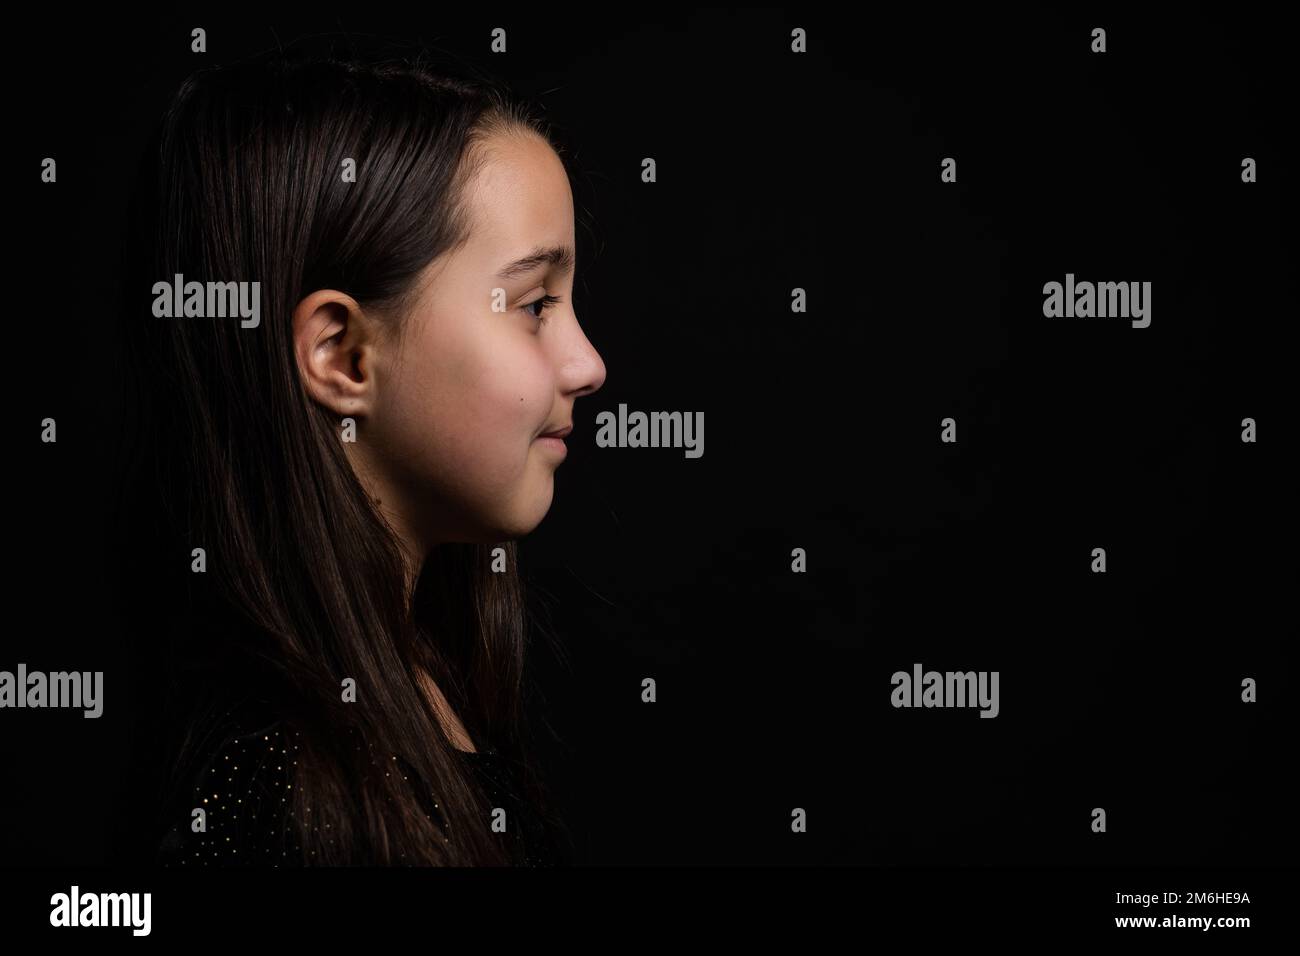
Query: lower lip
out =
(555, 444)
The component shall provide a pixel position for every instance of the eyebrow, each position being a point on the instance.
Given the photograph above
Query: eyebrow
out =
(560, 257)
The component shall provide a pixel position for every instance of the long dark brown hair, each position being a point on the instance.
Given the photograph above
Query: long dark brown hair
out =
(305, 582)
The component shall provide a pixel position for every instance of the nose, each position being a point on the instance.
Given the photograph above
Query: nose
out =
(584, 371)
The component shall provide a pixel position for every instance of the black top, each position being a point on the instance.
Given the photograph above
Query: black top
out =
(242, 786)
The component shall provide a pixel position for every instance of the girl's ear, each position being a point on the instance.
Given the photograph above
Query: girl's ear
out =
(334, 342)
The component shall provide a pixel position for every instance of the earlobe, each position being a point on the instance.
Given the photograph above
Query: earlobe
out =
(331, 345)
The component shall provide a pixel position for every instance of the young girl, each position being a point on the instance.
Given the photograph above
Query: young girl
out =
(354, 357)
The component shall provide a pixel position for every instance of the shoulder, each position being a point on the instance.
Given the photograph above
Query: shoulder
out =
(233, 803)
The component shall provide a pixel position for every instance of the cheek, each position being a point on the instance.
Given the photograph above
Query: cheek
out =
(502, 394)
(469, 412)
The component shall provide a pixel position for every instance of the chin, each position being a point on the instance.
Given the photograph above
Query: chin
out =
(532, 517)
(510, 527)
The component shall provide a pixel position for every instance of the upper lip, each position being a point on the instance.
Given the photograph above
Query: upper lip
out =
(557, 433)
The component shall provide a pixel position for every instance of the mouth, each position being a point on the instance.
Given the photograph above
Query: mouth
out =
(553, 441)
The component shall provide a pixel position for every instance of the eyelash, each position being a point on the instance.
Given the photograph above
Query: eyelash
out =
(547, 301)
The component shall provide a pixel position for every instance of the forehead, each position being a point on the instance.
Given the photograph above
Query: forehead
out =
(519, 199)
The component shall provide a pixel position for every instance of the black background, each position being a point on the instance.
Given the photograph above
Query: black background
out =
(819, 171)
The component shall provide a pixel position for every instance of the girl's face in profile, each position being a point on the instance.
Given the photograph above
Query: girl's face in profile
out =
(451, 412)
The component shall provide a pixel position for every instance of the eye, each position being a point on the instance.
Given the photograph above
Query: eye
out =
(545, 302)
